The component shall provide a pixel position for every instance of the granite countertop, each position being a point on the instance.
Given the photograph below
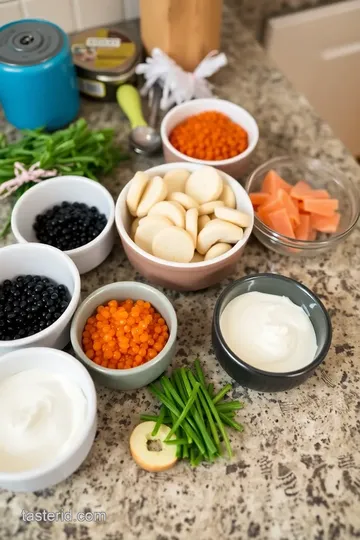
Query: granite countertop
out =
(296, 469)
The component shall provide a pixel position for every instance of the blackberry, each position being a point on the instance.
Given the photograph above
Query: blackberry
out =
(69, 225)
(25, 308)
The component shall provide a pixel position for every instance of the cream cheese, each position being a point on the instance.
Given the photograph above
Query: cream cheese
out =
(269, 332)
(42, 414)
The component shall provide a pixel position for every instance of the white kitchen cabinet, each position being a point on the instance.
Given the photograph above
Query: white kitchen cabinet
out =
(319, 51)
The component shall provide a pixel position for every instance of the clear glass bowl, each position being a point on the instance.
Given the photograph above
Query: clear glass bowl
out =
(319, 176)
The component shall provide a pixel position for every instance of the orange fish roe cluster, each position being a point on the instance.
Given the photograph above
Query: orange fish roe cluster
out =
(210, 136)
(124, 335)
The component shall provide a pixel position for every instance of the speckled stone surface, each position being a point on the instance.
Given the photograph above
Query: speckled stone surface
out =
(296, 469)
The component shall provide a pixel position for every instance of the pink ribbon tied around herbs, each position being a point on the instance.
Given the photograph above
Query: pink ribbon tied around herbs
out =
(23, 176)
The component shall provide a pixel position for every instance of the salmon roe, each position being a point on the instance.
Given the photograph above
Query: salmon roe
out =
(210, 136)
(122, 335)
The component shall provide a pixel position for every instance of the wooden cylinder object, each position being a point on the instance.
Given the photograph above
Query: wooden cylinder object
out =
(186, 30)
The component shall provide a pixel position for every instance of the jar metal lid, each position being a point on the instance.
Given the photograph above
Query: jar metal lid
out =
(106, 53)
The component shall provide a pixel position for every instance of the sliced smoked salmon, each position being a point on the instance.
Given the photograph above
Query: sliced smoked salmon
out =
(273, 182)
(322, 207)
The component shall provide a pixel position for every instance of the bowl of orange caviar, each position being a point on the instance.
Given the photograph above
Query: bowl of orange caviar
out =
(211, 132)
(125, 334)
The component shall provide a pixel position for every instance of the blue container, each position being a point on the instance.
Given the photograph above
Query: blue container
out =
(38, 85)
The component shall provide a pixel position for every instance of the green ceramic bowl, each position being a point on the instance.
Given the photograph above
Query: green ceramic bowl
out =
(125, 379)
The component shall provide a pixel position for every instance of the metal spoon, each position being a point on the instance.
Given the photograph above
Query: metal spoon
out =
(143, 138)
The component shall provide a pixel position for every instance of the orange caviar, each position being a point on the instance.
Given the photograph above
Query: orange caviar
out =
(122, 335)
(210, 135)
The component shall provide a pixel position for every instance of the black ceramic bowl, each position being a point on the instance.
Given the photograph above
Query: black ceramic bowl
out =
(255, 378)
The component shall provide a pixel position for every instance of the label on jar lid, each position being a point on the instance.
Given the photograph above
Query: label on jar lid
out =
(104, 50)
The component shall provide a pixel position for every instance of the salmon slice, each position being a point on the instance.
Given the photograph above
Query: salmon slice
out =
(322, 207)
(281, 223)
(325, 224)
(264, 217)
(289, 205)
(273, 203)
(317, 194)
(258, 198)
(273, 182)
(303, 230)
(300, 189)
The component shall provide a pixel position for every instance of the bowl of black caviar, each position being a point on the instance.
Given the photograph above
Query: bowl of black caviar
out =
(39, 293)
(71, 213)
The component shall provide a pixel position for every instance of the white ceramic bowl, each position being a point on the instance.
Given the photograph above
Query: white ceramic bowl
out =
(47, 194)
(62, 467)
(236, 166)
(137, 377)
(182, 276)
(38, 259)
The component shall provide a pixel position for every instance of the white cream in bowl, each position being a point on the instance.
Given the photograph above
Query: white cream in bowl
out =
(269, 332)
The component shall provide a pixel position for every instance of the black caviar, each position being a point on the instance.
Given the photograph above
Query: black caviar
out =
(69, 225)
(28, 304)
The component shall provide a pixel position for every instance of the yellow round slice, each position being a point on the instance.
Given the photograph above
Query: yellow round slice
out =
(183, 199)
(173, 244)
(228, 196)
(204, 185)
(191, 223)
(216, 250)
(147, 230)
(202, 221)
(152, 460)
(209, 208)
(215, 231)
(175, 180)
(134, 226)
(197, 258)
(169, 210)
(136, 190)
(155, 192)
(233, 216)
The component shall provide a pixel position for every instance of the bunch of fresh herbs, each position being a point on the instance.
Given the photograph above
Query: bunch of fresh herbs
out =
(76, 150)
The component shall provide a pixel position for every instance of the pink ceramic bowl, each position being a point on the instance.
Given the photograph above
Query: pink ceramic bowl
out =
(181, 276)
(236, 166)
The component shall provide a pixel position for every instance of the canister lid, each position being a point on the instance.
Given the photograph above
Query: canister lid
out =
(29, 42)
(105, 52)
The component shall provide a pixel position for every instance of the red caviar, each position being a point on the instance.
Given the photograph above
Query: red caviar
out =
(122, 335)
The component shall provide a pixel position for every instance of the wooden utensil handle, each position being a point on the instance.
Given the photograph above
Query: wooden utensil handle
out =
(186, 30)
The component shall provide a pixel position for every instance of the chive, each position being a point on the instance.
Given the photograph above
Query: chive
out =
(199, 372)
(222, 393)
(208, 415)
(230, 422)
(159, 421)
(186, 426)
(192, 456)
(173, 416)
(169, 386)
(177, 441)
(185, 411)
(170, 390)
(199, 419)
(179, 385)
(218, 420)
(211, 390)
(185, 451)
(228, 406)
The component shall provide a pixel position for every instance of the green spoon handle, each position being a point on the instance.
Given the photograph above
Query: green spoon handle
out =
(129, 100)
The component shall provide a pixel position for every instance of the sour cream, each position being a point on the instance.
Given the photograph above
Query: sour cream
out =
(269, 332)
(41, 416)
